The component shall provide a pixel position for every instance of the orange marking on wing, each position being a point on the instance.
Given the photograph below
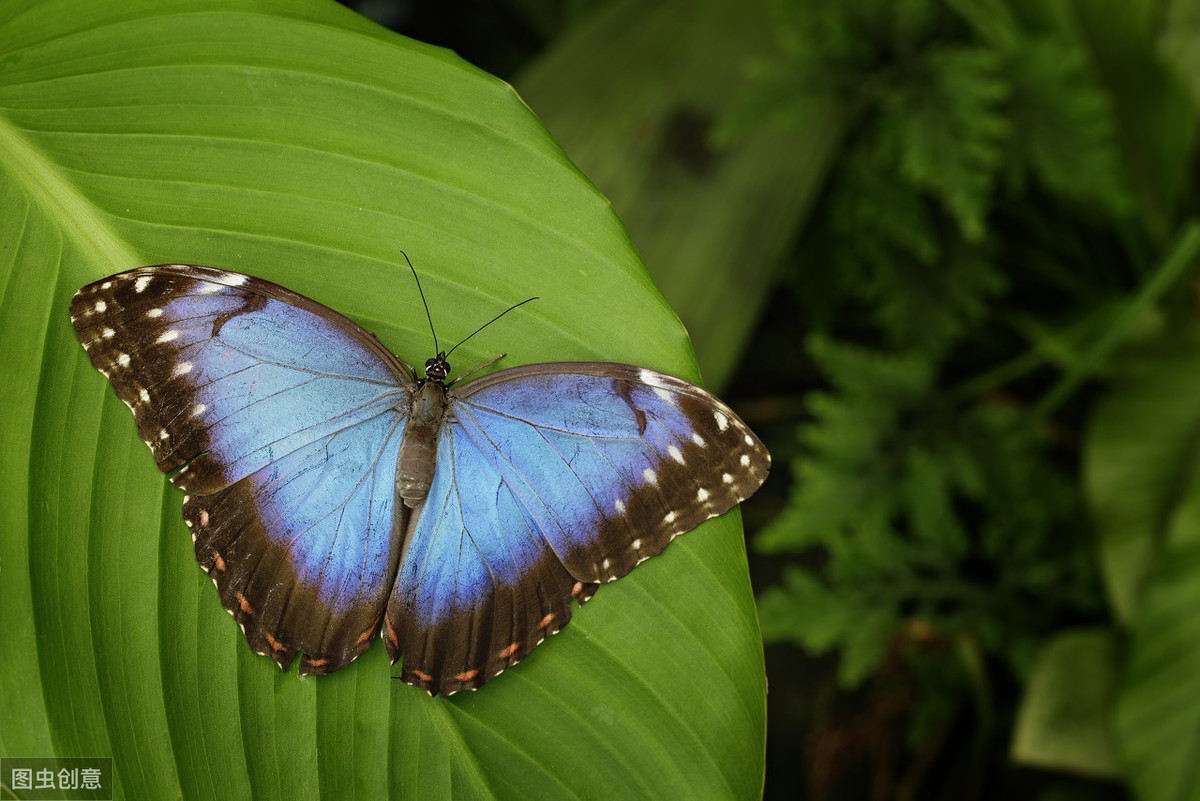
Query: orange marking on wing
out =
(510, 650)
(391, 632)
(275, 644)
(577, 589)
(366, 635)
(546, 620)
(243, 604)
(218, 562)
(318, 662)
(204, 518)
(466, 675)
(422, 675)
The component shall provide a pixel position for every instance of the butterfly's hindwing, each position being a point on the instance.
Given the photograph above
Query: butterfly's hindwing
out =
(478, 586)
(303, 551)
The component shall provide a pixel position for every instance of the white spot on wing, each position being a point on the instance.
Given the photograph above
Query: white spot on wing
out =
(230, 279)
(650, 476)
(658, 383)
(699, 440)
(140, 285)
(216, 282)
(670, 518)
(101, 307)
(637, 544)
(105, 285)
(144, 395)
(722, 421)
(168, 335)
(745, 460)
(162, 434)
(728, 479)
(123, 360)
(620, 505)
(108, 333)
(198, 409)
(676, 454)
(154, 313)
(183, 368)
(702, 495)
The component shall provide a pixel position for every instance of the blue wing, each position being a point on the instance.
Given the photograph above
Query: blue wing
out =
(550, 479)
(286, 419)
(303, 551)
(285, 422)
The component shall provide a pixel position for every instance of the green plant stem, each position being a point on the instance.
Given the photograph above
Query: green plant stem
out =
(1179, 258)
(1002, 374)
(1172, 267)
(975, 665)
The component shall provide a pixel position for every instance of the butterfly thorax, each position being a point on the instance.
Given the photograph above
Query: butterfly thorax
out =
(418, 448)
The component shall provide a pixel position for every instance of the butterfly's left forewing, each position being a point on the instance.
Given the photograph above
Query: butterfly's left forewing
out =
(283, 419)
(552, 478)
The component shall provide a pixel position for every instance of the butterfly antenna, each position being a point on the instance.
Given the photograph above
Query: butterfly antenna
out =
(489, 322)
(421, 292)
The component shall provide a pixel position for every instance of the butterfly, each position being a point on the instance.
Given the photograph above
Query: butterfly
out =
(331, 494)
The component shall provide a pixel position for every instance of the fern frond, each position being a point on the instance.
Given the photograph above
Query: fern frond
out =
(1066, 135)
(950, 129)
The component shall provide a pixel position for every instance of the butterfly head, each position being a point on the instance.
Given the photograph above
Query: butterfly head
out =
(437, 368)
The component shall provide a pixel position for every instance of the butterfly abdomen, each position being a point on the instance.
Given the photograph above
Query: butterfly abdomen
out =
(414, 473)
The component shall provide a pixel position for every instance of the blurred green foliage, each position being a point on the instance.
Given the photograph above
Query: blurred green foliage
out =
(996, 229)
(952, 513)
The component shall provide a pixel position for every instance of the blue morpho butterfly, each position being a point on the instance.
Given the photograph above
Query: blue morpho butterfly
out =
(332, 494)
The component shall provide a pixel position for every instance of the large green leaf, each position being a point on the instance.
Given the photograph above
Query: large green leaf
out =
(1158, 712)
(1156, 120)
(1143, 485)
(298, 142)
(1139, 461)
(1064, 721)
